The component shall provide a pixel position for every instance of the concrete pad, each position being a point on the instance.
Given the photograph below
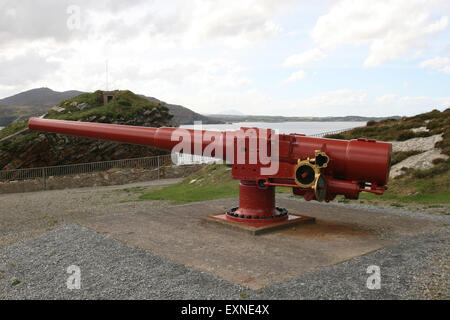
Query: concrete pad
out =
(179, 234)
(292, 221)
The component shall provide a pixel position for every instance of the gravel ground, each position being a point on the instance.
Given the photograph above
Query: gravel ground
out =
(414, 269)
(109, 270)
(25, 215)
(38, 244)
(417, 268)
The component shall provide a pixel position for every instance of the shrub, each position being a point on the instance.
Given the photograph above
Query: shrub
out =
(446, 150)
(405, 135)
(124, 103)
(335, 136)
(438, 169)
(438, 160)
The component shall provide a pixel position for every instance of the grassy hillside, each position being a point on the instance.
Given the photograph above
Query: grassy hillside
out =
(124, 106)
(36, 102)
(413, 186)
(13, 128)
(10, 114)
(36, 149)
(183, 115)
(436, 122)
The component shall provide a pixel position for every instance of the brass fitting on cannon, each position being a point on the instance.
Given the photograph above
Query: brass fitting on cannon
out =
(308, 175)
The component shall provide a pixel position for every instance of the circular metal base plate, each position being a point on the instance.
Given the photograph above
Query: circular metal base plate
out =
(280, 214)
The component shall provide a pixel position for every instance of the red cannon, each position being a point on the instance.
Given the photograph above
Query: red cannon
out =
(315, 168)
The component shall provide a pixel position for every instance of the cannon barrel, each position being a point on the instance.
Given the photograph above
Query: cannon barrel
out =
(358, 159)
(316, 168)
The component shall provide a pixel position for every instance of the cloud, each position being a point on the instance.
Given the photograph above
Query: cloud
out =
(390, 28)
(336, 99)
(441, 64)
(192, 24)
(207, 55)
(175, 23)
(180, 72)
(304, 59)
(151, 46)
(30, 20)
(243, 21)
(359, 102)
(298, 75)
(25, 69)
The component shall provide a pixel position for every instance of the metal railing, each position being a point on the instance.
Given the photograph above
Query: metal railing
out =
(185, 158)
(322, 134)
(137, 163)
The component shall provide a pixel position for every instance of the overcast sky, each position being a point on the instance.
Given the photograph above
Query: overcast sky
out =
(275, 57)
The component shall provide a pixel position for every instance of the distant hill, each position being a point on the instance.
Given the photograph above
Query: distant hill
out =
(183, 115)
(36, 102)
(250, 118)
(38, 97)
(231, 112)
(31, 103)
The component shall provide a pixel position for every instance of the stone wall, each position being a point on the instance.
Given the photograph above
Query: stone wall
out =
(105, 178)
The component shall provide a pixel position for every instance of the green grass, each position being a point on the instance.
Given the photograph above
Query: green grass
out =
(212, 182)
(124, 105)
(15, 283)
(209, 183)
(13, 128)
(430, 186)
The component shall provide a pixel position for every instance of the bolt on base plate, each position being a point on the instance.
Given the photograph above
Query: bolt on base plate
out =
(292, 220)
